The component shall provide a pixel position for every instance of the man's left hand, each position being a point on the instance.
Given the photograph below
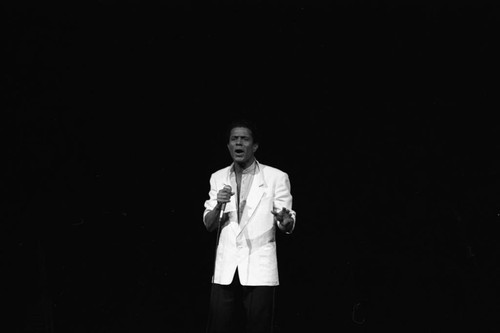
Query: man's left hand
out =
(284, 217)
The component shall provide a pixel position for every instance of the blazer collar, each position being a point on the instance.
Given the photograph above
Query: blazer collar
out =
(254, 196)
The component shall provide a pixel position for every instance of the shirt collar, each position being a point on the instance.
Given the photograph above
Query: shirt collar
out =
(252, 168)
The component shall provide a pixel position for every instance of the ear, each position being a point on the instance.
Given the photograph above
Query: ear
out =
(255, 147)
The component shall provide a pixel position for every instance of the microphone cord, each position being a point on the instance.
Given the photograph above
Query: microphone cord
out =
(219, 220)
(214, 301)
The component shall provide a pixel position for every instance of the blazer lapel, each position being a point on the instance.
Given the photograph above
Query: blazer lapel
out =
(253, 199)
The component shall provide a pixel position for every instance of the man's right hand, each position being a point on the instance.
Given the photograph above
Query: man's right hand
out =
(224, 195)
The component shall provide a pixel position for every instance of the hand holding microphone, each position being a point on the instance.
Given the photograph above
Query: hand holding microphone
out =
(224, 196)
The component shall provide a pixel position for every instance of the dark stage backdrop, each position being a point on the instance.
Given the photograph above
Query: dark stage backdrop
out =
(381, 112)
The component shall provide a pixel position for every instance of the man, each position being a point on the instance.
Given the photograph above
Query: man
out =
(247, 202)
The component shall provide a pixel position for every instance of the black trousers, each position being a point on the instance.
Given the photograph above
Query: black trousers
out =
(241, 309)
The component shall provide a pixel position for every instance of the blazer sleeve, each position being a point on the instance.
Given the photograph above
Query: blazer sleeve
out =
(283, 197)
(211, 202)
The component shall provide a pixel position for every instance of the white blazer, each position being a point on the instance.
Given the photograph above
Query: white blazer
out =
(251, 245)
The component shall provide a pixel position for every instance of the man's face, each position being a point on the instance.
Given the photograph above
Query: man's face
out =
(241, 146)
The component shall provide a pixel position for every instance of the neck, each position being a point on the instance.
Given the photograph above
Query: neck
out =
(239, 167)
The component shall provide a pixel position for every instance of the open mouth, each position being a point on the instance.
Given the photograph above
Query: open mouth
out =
(239, 151)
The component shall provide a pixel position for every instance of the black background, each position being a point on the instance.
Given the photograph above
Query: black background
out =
(381, 112)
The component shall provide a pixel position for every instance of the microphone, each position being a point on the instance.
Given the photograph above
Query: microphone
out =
(223, 207)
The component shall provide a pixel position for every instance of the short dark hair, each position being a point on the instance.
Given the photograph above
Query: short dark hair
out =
(246, 123)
